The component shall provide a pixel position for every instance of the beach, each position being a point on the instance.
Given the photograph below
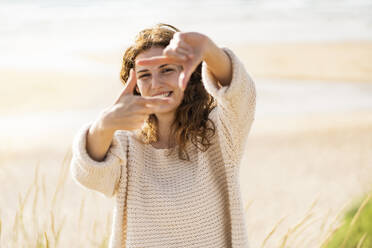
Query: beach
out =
(326, 61)
(311, 139)
(52, 89)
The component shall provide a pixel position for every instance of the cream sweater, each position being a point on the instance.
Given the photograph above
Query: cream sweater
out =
(170, 202)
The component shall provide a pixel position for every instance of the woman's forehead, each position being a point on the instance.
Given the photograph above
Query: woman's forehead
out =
(153, 51)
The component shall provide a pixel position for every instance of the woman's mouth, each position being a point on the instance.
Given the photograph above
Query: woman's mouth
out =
(163, 94)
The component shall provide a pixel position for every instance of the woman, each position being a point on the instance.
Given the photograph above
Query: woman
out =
(169, 147)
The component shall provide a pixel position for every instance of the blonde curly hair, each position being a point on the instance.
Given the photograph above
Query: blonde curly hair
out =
(192, 121)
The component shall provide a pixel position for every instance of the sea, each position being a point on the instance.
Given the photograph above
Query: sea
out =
(32, 32)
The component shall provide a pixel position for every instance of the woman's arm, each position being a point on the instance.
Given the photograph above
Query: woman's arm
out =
(102, 176)
(235, 110)
(99, 139)
(224, 77)
(218, 62)
(189, 49)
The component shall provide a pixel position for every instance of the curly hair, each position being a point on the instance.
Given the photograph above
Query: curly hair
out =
(192, 121)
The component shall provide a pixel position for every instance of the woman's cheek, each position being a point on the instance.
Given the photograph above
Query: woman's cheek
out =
(143, 88)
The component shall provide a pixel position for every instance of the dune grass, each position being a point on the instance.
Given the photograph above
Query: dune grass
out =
(40, 222)
(356, 230)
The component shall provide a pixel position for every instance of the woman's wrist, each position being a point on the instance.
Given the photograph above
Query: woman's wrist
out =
(208, 47)
(218, 62)
(103, 123)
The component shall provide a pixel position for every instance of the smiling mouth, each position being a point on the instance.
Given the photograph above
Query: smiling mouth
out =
(164, 94)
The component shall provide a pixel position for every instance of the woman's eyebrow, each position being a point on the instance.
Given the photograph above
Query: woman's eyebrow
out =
(144, 70)
(164, 65)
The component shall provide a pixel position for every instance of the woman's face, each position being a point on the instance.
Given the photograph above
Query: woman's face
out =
(159, 80)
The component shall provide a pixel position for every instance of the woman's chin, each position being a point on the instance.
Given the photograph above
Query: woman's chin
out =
(170, 110)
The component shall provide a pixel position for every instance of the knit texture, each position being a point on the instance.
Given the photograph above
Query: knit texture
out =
(170, 202)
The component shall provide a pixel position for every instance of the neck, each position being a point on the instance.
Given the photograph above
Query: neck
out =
(165, 122)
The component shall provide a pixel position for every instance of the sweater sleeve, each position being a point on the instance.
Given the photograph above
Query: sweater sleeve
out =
(101, 176)
(235, 109)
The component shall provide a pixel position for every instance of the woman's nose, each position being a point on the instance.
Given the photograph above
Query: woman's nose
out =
(156, 82)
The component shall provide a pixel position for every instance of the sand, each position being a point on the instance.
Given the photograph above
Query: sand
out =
(290, 160)
(330, 61)
(323, 159)
(25, 90)
(348, 61)
(284, 170)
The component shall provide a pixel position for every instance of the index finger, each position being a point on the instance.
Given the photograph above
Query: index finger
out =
(159, 60)
(129, 87)
(151, 101)
(157, 104)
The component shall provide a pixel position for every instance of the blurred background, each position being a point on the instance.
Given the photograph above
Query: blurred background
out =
(309, 154)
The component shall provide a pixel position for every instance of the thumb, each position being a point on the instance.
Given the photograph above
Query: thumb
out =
(130, 85)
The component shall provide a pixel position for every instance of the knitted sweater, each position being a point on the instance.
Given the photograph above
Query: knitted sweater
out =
(164, 202)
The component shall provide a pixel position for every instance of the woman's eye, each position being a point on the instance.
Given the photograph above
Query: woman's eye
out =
(167, 70)
(144, 75)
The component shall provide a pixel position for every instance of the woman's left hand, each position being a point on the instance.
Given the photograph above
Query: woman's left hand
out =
(187, 49)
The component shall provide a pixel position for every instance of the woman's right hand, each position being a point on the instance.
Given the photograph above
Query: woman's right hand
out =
(130, 111)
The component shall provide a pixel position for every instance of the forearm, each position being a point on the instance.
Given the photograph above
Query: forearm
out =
(235, 110)
(99, 139)
(218, 63)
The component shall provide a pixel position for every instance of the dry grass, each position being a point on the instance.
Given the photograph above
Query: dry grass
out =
(50, 210)
(36, 225)
(40, 220)
(285, 172)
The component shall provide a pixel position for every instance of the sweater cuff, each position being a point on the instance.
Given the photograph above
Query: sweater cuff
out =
(83, 158)
(225, 92)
